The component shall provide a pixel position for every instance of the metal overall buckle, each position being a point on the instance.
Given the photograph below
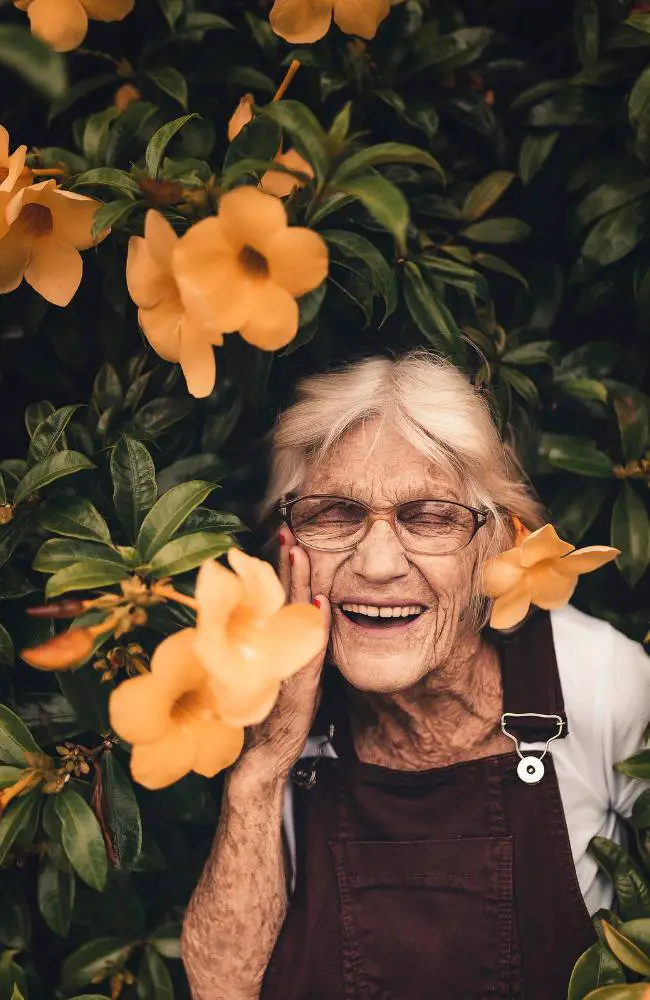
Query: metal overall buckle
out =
(304, 772)
(530, 768)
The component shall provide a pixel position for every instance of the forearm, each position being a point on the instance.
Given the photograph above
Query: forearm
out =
(237, 909)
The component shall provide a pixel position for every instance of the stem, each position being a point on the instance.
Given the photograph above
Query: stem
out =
(160, 590)
(284, 86)
(52, 171)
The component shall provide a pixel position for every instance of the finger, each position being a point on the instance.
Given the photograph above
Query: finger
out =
(300, 583)
(283, 567)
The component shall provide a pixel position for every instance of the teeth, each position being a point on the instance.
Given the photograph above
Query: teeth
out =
(374, 612)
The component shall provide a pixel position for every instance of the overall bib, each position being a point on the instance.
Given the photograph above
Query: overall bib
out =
(455, 883)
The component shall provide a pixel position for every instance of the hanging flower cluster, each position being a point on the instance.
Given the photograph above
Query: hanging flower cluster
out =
(304, 21)
(63, 23)
(42, 230)
(241, 270)
(207, 683)
(541, 569)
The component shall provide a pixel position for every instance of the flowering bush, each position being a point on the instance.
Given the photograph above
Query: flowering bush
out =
(198, 205)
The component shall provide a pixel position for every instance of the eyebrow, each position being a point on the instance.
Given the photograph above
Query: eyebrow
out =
(413, 493)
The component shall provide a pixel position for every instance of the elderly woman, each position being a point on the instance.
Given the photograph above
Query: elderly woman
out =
(409, 854)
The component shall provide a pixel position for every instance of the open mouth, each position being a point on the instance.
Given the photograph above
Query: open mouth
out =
(379, 622)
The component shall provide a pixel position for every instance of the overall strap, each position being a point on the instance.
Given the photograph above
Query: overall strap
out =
(531, 681)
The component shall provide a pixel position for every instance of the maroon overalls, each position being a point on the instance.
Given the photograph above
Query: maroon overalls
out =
(455, 883)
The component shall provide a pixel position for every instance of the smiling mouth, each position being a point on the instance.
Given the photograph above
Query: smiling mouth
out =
(377, 622)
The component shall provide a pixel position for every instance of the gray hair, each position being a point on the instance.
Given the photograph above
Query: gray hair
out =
(436, 409)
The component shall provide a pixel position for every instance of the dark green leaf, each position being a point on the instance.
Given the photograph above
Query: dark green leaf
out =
(626, 951)
(76, 92)
(134, 483)
(632, 892)
(616, 234)
(168, 513)
(76, 518)
(94, 961)
(114, 214)
(82, 842)
(188, 552)
(56, 893)
(637, 766)
(608, 854)
(161, 414)
(583, 459)
(259, 140)
(630, 532)
(535, 151)
(384, 152)
(640, 818)
(586, 25)
(383, 201)
(306, 133)
(88, 696)
(121, 812)
(154, 981)
(493, 263)
(380, 274)
(12, 534)
(633, 416)
(15, 738)
(595, 967)
(18, 822)
(504, 230)
(485, 194)
(15, 924)
(576, 506)
(445, 52)
(49, 435)
(171, 82)
(57, 553)
(639, 99)
(96, 133)
(33, 59)
(582, 388)
(159, 142)
(7, 652)
(248, 367)
(429, 312)
(167, 940)
(206, 466)
(87, 574)
(451, 272)
(537, 352)
(172, 9)
(522, 385)
(36, 412)
(62, 463)
(117, 180)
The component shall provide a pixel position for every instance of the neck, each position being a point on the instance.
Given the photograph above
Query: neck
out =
(451, 714)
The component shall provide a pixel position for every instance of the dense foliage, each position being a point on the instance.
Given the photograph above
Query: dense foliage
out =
(480, 179)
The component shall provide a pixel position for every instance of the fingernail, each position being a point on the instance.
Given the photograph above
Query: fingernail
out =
(291, 558)
(316, 602)
(282, 538)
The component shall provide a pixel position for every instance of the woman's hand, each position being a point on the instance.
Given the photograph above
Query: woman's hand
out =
(275, 744)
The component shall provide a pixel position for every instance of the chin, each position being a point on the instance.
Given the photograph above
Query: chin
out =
(381, 679)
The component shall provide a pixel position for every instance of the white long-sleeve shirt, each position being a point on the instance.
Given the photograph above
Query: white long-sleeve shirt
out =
(605, 680)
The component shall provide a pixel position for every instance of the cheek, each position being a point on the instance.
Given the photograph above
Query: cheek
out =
(451, 579)
(323, 569)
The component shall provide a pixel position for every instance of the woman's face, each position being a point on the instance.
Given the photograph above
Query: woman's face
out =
(379, 570)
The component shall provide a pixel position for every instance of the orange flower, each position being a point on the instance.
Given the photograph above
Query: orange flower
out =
(125, 95)
(300, 21)
(171, 717)
(63, 23)
(68, 649)
(250, 266)
(280, 184)
(13, 175)
(172, 333)
(47, 228)
(542, 570)
(29, 779)
(247, 638)
(242, 115)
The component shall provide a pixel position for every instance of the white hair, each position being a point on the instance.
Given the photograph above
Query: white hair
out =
(438, 411)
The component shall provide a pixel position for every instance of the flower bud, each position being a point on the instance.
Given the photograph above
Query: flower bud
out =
(69, 649)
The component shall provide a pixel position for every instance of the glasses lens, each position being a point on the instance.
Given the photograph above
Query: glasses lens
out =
(327, 522)
(434, 526)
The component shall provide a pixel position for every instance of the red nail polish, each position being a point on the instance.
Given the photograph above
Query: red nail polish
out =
(282, 538)
(316, 602)
(291, 558)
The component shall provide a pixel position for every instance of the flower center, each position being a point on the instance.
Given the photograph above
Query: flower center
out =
(254, 263)
(36, 220)
(188, 706)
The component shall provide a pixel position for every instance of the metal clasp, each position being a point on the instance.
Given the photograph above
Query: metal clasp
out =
(305, 776)
(559, 721)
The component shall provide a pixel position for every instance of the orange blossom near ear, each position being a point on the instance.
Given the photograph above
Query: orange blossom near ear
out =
(542, 570)
(63, 23)
(300, 21)
(250, 266)
(47, 229)
(247, 638)
(171, 717)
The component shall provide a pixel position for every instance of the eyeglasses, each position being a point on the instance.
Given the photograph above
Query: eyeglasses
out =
(336, 524)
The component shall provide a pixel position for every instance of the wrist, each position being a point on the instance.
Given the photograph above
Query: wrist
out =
(257, 773)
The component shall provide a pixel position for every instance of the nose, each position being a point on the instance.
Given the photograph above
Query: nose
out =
(380, 556)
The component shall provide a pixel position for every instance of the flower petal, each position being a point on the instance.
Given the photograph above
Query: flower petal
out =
(360, 17)
(54, 270)
(261, 585)
(218, 591)
(63, 24)
(549, 589)
(499, 576)
(161, 326)
(292, 638)
(249, 699)
(161, 239)
(108, 10)
(297, 259)
(146, 283)
(241, 116)
(139, 710)
(511, 608)
(301, 21)
(197, 359)
(214, 287)
(15, 250)
(543, 544)
(4, 144)
(157, 765)
(585, 560)
(15, 165)
(272, 319)
(248, 217)
(280, 184)
(177, 669)
(218, 746)
(72, 216)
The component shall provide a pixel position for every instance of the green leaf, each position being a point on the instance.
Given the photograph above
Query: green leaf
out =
(7, 652)
(504, 230)
(94, 961)
(160, 414)
(49, 435)
(429, 313)
(188, 552)
(459, 275)
(57, 553)
(18, 822)
(154, 981)
(168, 513)
(639, 100)
(62, 463)
(640, 811)
(633, 416)
(537, 352)
(582, 388)
(159, 142)
(384, 152)
(630, 532)
(586, 26)
(586, 460)
(78, 90)
(608, 854)
(87, 694)
(609, 195)
(625, 950)
(171, 82)
(82, 842)
(522, 385)
(172, 9)
(637, 766)
(207, 466)
(114, 214)
(254, 167)
(117, 180)
(445, 52)
(15, 923)
(485, 194)
(383, 201)
(56, 894)
(134, 483)
(34, 60)
(12, 534)
(595, 967)
(121, 812)
(535, 151)
(96, 133)
(576, 507)
(380, 273)
(259, 140)
(9, 775)
(493, 263)
(76, 518)
(632, 892)
(15, 738)
(36, 412)
(167, 940)
(616, 234)
(87, 574)
(340, 127)
(306, 133)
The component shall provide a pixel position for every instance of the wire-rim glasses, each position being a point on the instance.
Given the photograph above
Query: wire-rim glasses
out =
(330, 523)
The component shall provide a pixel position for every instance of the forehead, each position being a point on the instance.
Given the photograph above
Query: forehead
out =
(376, 465)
